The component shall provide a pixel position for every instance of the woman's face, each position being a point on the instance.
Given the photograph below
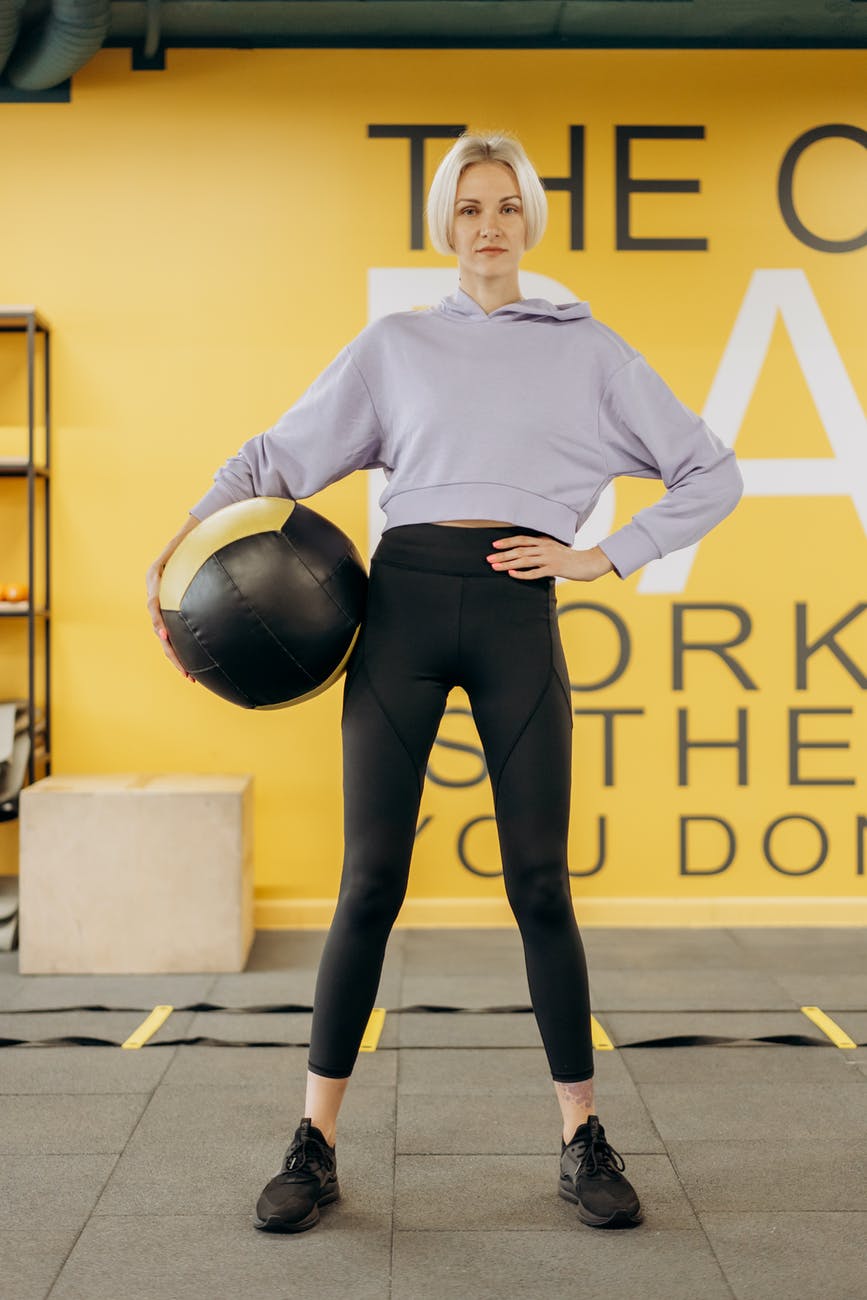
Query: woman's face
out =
(489, 213)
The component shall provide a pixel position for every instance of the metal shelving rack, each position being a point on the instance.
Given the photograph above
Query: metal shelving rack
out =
(27, 320)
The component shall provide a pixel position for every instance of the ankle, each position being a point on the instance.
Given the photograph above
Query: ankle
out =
(574, 1126)
(576, 1103)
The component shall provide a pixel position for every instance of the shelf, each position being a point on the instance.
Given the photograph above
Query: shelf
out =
(32, 436)
(19, 317)
(18, 467)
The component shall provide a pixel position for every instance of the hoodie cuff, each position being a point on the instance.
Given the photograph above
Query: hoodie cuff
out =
(212, 501)
(629, 548)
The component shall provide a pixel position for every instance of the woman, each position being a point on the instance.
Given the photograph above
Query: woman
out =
(488, 404)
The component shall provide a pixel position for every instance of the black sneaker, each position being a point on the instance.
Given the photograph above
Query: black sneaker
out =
(307, 1179)
(589, 1176)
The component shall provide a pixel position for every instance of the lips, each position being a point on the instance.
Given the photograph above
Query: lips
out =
(492, 250)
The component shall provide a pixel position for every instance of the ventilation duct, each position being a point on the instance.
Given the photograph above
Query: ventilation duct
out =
(43, 53)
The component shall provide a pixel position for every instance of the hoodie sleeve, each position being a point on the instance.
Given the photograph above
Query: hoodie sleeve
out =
(331, 430)
(646, 432)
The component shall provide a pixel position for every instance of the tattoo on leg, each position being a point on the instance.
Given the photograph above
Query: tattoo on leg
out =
(577, 1094)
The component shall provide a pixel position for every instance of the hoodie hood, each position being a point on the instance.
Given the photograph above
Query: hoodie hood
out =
(461, 306)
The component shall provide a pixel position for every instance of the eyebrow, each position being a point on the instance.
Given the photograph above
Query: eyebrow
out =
(503, 200)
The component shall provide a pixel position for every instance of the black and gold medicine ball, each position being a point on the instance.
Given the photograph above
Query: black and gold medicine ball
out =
(263, 602)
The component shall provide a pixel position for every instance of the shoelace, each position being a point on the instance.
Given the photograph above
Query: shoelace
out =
(298, 1155)
(600, 1157)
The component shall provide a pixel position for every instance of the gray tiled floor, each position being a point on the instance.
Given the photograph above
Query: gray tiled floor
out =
(135, 1173)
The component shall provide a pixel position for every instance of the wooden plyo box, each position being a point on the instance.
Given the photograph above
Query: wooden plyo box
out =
(135, 873)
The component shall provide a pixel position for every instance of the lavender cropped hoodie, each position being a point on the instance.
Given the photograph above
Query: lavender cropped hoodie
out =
(523, 414)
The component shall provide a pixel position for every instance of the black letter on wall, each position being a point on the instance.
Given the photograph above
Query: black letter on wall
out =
(684, 745)
(784, 187)
(711, 871)
(626, 185)
(416, 136)
(608, 742)
(679, 645)
(796, 817)
(574, 185)
(803, 650)
(796, 744)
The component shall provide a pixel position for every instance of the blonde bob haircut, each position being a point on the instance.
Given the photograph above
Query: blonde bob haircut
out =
(474, 147)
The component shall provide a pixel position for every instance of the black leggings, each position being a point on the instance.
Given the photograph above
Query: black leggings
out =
(439, 616)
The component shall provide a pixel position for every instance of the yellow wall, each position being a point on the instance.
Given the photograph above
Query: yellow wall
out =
(200, 241)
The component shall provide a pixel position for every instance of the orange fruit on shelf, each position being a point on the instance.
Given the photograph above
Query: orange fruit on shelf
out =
(14, 592)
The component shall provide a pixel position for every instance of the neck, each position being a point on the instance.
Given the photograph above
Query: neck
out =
(490, 293)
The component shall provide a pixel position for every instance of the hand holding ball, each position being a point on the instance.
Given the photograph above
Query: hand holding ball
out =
(263, 602)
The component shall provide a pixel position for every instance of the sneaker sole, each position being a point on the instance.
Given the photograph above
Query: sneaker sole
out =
(619, 1219)
(275, 1224)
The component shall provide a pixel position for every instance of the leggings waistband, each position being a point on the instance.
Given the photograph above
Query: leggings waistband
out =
(448, 548)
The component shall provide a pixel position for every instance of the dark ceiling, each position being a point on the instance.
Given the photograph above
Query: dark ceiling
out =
(570, 23)
(45, 42)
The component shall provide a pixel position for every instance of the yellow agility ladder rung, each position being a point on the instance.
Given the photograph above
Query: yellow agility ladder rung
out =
(838, 1036)
(148, 1027)
(373, 1030)
(601, 1041)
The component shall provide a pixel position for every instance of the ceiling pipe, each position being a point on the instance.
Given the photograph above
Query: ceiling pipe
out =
(10, 20)
(152, 30)
(55, 38)
(52, 50)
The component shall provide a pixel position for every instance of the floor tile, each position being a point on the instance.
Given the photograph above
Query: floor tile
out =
(38, 1194)
(203, 1256)
(29, 1262)
(291, 1028)
(108, 1027)
(646, 1262)
(664, 947)
(191, 1067)
(748, 1156)
(835, 990)
(444, 1029)
(444, 1070)
(679, 987)
(212, 1149)
(82, 1069)
(487, 1193)
(780, 1173)
(466, 990)
(767, 1112)
(52, 1123)
(513, 1123)
(758, 1062)
(135, 991)
(818, 1256)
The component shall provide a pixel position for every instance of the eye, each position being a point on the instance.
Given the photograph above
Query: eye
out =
(510, 207)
